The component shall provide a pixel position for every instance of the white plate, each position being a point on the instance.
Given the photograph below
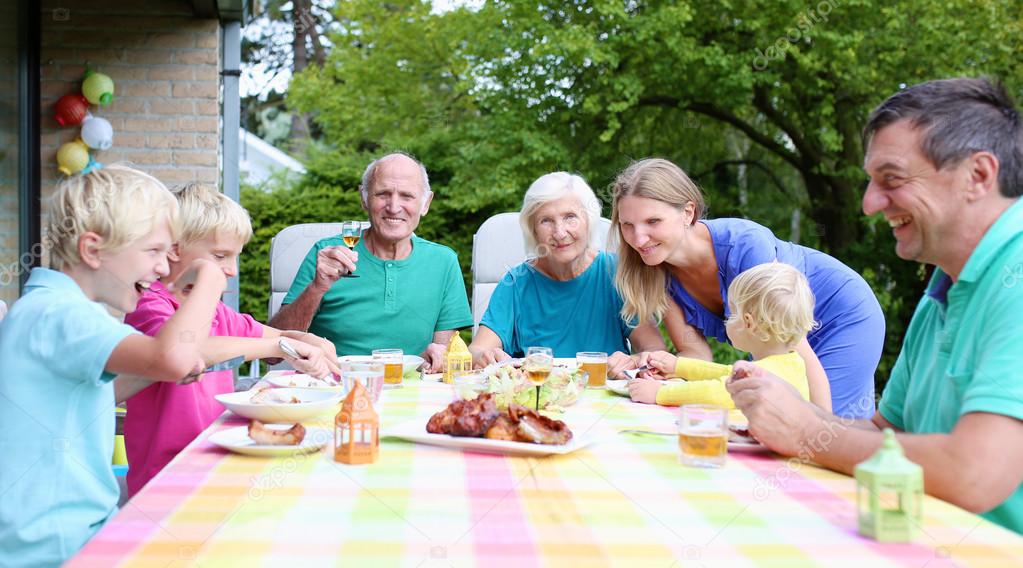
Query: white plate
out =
(741, 445)
(621, 386)
(415, 431)
(237, 440)
(410, 362)
(314, 403)
(618, 386)
(291, 379)
(747, 447)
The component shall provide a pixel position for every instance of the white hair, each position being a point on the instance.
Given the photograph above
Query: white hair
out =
(370, 174)
(552, 187)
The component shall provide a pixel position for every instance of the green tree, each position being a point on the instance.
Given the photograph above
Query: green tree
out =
(762, 101)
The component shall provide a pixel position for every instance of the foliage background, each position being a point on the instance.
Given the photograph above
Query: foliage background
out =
(761, 102)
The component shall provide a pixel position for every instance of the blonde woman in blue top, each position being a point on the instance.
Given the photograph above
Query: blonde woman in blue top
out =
(564, 297)
(676, 265)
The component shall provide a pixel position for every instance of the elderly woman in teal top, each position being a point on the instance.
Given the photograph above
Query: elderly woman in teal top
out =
(564, 297)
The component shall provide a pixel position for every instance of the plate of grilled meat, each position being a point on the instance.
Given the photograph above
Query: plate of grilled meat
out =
(478, 425)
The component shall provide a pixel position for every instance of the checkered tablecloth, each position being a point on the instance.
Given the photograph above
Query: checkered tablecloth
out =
(625, 500)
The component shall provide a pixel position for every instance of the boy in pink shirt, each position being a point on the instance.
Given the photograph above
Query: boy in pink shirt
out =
(163, 418)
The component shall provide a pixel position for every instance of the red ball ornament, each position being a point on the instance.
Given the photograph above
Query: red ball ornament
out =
(71, 110)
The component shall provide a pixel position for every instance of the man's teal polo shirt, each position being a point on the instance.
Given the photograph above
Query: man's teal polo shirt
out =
(962, 351)
(393, 303)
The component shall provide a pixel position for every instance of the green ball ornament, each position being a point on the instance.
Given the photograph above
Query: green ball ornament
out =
(98, 88)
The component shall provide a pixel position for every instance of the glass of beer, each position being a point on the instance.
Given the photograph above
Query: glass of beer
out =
(538, 364)
(392, 360)
(351, 232)
(594, 363)
(703, 435)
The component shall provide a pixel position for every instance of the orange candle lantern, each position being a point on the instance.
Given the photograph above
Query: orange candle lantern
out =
(357, 428)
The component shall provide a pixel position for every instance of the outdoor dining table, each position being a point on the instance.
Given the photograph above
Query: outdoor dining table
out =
(623, 500)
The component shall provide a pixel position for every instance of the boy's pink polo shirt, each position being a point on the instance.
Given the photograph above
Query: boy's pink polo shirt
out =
(164, 417)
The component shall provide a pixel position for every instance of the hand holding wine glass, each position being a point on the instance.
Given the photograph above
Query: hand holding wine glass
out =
(538, 364)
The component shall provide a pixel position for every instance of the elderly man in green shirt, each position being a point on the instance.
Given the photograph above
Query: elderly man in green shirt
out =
(409, 294)
(945, 160)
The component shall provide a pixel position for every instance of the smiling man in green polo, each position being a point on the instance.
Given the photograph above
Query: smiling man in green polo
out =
(945, 160)
(409, 294)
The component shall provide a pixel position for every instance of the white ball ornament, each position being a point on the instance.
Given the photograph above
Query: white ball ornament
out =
(97, 133)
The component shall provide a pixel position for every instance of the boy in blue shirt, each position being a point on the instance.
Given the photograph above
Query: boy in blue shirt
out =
(109, 232)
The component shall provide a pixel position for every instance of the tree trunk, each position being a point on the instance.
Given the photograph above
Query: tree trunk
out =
(301, 19)
(832, 203)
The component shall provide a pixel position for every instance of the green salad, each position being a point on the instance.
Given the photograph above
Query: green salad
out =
(563, 388)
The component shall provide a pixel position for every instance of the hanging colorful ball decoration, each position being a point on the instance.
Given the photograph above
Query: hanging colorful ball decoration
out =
(98, 88)
(73, 157)
(71, 109)
(97, 133)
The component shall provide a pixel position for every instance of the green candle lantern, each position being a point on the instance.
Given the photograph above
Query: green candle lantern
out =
(98, 88)
(889, 493)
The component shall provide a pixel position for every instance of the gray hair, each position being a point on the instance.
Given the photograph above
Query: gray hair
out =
(554, 186)
(959, 117)
(369, 176)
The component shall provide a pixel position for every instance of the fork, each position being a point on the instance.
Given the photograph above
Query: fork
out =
(651, 432)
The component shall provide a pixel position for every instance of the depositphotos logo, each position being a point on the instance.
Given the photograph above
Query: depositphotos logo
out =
(804, 23)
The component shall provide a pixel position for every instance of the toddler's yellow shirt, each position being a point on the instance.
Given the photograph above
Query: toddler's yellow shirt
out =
(705, 380)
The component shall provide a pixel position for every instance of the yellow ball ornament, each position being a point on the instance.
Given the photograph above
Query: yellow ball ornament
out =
(72, 157)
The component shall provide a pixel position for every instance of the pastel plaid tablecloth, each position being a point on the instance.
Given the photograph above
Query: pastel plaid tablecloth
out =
(625, 500)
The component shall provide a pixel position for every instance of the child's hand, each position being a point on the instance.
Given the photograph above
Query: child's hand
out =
(312, 339)
(312, 360)
(644, 390)
(662, 362)
(199, 270)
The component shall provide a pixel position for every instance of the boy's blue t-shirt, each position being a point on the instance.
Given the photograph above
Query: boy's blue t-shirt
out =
(56, 421)
(583, 314)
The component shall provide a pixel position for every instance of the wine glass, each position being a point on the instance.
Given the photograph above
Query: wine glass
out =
(351, 232)
(538, 364)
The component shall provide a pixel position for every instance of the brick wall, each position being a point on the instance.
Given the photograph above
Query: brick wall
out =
(164, 63)
(165, 112)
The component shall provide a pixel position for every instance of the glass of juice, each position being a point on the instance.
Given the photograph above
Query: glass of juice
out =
(703, 435)
(594, 363)
(392, 360)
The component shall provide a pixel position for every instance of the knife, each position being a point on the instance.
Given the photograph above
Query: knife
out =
(225, 365)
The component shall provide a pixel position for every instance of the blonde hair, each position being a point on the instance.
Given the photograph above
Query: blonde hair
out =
(644, 288)
(206, 212)
(779, 299)
(552, 187)
(116, 202)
